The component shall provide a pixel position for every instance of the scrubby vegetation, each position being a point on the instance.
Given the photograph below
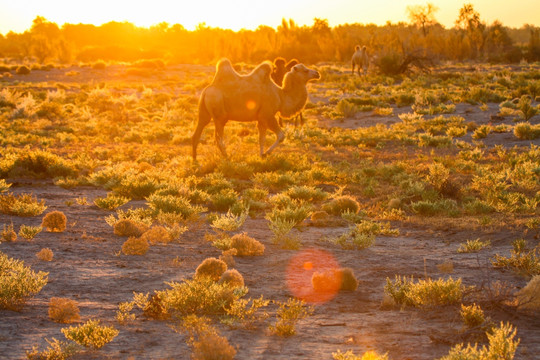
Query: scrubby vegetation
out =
(400, 171)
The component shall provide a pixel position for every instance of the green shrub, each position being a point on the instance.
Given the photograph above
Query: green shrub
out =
(472, 315)
(424, 292)
(224, 199)
(341, 204)
(524, 262)
(437, 207)
(306, 193)
(110, 202)
(526, 131)
(349, 355)
(526, 110)
(472, 246)
(41, 164)
(173, 204)
(18, 282)
(29, 232)
(288, 315)
(8, 233)
(91, 334)
(501, 346)
(239, 313)
(21, 205)
(56, 350)
(201, 296)
(229, 221)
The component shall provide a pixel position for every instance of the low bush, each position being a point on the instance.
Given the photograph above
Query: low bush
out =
(18, 282)
(472, 246)
(63, 310)
(135, 246)
(8, 233)
(29, 232)
(524, 262)
(341, 204)
(91, 334)
(127, 227)
(501, 346)
(349, 355)
(110, 202)
(157, 234)
(21, 205)
(232, 278)
(45, 254)
(288, 315)
(424, 292)
(211, 268)
(246, 245)
(529, 296)
(54, 221)
(201, 296)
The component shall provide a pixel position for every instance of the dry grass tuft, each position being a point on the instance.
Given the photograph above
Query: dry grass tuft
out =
(529, 297)
(63, 310)
(54, 221)
(8, 234)
(232, 278)
(342, 204)
(45, 254)
(157, 234)
(135, 246)
(127, 227)
(246, 246)
(212, 268)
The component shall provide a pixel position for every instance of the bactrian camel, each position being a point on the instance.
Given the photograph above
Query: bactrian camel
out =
(252, 97)
(360, 58)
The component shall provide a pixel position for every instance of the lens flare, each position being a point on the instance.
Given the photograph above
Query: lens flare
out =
(300, 272)
(251, 104)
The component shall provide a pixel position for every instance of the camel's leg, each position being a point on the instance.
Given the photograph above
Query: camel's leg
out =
(280, 135)
(352, 63)
(262, 137)
(220, 125)
(204, 119)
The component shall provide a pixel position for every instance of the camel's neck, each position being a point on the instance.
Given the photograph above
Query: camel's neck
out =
(293, 99)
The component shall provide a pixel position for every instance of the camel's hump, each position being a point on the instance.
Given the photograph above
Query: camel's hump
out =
(262, 71)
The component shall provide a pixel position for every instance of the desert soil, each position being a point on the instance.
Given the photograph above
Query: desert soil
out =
(88, 268)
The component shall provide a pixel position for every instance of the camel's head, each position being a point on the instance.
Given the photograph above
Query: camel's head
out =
(305, 73)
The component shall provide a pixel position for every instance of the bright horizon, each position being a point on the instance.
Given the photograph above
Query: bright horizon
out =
(17, 16)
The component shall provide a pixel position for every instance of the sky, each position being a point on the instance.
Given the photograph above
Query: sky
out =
(17, 15)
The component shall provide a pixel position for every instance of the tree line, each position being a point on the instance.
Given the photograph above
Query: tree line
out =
(469, 39)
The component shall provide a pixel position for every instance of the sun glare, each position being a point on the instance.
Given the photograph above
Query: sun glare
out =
(245, 14)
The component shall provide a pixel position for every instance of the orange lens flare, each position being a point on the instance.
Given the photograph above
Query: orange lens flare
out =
(300, 279)
(251, 104)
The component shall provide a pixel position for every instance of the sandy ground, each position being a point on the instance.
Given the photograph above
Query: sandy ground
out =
(87, 267)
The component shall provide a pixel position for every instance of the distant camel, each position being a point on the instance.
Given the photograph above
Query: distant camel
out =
(280, 69)
(252, 97)
(360, 58)
(278, 73)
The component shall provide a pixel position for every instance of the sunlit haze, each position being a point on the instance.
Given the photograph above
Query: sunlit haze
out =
(17, 16)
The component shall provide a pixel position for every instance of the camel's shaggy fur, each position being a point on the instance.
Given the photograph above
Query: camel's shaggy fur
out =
(360, 58)
(252, 97)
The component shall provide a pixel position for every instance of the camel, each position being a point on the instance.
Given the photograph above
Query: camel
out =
(281, 68)
(278, 73)
(361, 59)
(252, 97)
